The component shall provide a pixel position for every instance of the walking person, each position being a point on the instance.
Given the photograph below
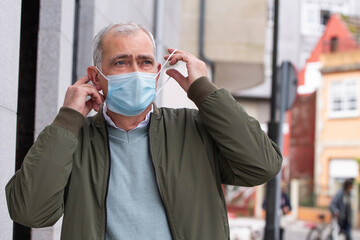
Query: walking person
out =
(341, 209)
(284, 211)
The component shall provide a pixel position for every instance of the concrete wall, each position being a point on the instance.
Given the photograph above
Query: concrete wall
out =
(234, 30)
(10, 15)
(54, 64)
(54, 68)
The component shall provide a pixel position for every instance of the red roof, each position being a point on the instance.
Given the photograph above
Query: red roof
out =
(335, 28)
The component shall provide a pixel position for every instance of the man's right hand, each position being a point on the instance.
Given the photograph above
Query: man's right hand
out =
(76, 94)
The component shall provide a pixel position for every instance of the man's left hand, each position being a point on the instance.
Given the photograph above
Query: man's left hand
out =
(195, 67)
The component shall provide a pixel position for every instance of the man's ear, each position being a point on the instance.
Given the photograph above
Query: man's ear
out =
(158, 76)
(158, 70)
(94, 76)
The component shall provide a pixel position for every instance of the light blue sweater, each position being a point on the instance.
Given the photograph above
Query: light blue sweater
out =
(134, 207)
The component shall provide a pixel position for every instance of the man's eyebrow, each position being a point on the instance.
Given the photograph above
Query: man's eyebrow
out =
(120, 56)
(129, 56)
(145, 57)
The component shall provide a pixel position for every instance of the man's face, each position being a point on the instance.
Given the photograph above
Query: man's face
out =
(125, 54)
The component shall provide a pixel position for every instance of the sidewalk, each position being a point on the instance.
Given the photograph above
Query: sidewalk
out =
(297, 230)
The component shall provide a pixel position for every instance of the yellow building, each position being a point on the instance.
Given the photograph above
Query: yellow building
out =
(337, 136)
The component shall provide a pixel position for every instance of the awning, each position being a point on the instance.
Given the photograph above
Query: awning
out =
(344, 168)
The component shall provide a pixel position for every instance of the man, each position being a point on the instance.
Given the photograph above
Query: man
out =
(135, 171)
(340, 208)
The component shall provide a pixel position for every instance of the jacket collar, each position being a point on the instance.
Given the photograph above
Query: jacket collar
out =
(99, 119)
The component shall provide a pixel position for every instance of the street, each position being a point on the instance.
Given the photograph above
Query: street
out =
(246, 228)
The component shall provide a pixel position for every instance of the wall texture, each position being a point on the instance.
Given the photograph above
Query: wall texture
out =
(10, 13)
(54, 68)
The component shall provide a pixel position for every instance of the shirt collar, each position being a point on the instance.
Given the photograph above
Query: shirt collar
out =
(112, 124)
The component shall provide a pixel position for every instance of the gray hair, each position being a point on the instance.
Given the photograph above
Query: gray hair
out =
(121, 29)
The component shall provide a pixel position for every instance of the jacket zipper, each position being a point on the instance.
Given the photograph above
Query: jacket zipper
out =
(107, 181)
(159, 188)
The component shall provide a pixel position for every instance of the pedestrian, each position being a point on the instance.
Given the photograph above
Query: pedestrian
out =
(284, 211)
(285, 207)
(136, 171)
(341, 209)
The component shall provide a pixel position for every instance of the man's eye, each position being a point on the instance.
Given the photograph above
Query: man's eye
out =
(148, 62)
(120, 63)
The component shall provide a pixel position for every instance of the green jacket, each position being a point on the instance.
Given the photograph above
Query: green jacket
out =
(66, 171)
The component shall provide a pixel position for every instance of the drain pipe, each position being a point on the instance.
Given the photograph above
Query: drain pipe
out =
(202, 56)
(75, 42)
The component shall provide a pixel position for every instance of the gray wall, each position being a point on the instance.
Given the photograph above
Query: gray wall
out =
(54, 68)
(10, 15)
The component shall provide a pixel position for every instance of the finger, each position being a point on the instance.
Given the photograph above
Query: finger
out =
(182, 56)
(175, 74)
(95, 96)
(91, 91)
(82, 80)
(89, 105)
(99, 100)
(171, 50)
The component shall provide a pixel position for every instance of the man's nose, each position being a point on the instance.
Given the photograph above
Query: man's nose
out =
(134, 67)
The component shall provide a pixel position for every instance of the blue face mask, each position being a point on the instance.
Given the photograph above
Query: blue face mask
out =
(130, 94)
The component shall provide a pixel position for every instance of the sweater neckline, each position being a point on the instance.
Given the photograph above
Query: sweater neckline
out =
(130, 136)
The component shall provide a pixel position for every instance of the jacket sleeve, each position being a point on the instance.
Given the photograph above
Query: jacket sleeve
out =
(335, 203)
(247, 157)
(35, 194)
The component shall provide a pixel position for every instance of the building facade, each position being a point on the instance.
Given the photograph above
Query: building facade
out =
(338, 126)
(302, 22)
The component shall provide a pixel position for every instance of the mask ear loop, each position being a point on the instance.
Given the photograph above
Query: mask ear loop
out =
(166, 81)
(101, 73)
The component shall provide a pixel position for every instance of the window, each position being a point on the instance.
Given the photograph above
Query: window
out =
(333, 44)
(343, 100)
(324, 17)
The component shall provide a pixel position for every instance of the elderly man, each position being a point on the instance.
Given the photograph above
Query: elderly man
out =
(135, 171)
